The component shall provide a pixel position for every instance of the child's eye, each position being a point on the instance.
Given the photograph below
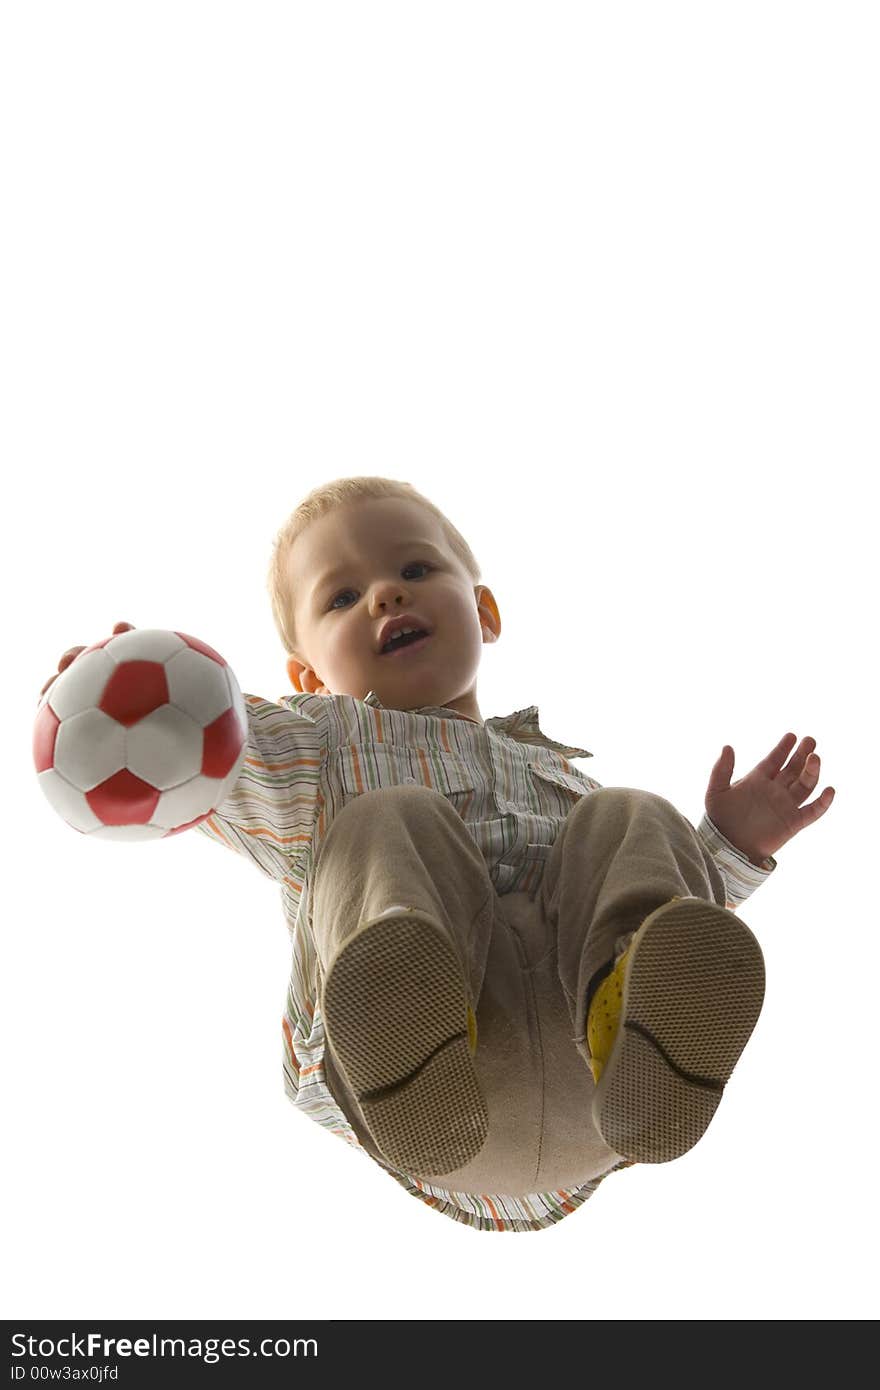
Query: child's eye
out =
(415, 564)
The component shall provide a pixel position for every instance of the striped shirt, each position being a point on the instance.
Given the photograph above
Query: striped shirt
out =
(308, 755)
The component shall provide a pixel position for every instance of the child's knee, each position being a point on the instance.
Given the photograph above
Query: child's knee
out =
(407, 802)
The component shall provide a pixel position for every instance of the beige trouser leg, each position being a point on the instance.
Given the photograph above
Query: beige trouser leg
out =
(621, 853)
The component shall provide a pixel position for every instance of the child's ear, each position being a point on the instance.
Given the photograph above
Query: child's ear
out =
(490, 618)
(303, 678)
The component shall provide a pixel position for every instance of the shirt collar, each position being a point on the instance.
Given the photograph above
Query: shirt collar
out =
(522, 725)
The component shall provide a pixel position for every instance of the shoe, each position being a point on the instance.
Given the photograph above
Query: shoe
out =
(667, 1026)
(400, 1023)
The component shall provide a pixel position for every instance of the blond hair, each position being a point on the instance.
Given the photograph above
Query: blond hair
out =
(319, 502)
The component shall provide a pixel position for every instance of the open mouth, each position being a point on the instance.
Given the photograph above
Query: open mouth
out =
(405, 642)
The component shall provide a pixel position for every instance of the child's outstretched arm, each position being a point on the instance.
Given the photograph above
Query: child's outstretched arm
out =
(269, 816)
(763, 810)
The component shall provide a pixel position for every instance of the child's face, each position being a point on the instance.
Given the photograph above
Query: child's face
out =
(390, 557)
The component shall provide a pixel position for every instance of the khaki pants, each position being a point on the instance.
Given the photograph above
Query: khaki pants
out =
(620, 854)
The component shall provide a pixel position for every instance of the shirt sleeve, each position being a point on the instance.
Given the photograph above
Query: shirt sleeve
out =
(269, 814)
(741, 876)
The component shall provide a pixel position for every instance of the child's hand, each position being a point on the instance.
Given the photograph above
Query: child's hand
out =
(73, 652)
(762, 811)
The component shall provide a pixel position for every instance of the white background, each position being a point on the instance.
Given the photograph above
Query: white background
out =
(602, 282)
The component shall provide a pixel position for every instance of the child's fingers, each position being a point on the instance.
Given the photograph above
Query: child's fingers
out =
(73, 652)
(69, 656)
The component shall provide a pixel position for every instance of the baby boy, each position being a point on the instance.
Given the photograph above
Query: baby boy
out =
(507, 981)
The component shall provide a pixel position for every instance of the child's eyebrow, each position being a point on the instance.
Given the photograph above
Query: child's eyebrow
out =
(332, 575)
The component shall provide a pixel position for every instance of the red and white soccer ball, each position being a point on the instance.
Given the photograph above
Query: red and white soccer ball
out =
(142, 736)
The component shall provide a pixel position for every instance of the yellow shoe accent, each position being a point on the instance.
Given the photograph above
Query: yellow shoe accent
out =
(604, 1016)
(472, 1030)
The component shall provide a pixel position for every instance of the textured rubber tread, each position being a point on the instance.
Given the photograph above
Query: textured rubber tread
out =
(396, 1012)
(692, 994)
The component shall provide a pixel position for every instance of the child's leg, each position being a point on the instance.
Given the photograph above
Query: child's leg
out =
(691, 983)
(401, 914)
(620, 853)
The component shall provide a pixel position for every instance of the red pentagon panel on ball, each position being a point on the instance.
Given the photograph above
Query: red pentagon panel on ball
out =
(123, 800)
(45, 733)
(223, 741)
(135, 689)
(202, 647)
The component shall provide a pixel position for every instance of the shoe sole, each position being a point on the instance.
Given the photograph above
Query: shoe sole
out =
(692, 994)
(395, 1008)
